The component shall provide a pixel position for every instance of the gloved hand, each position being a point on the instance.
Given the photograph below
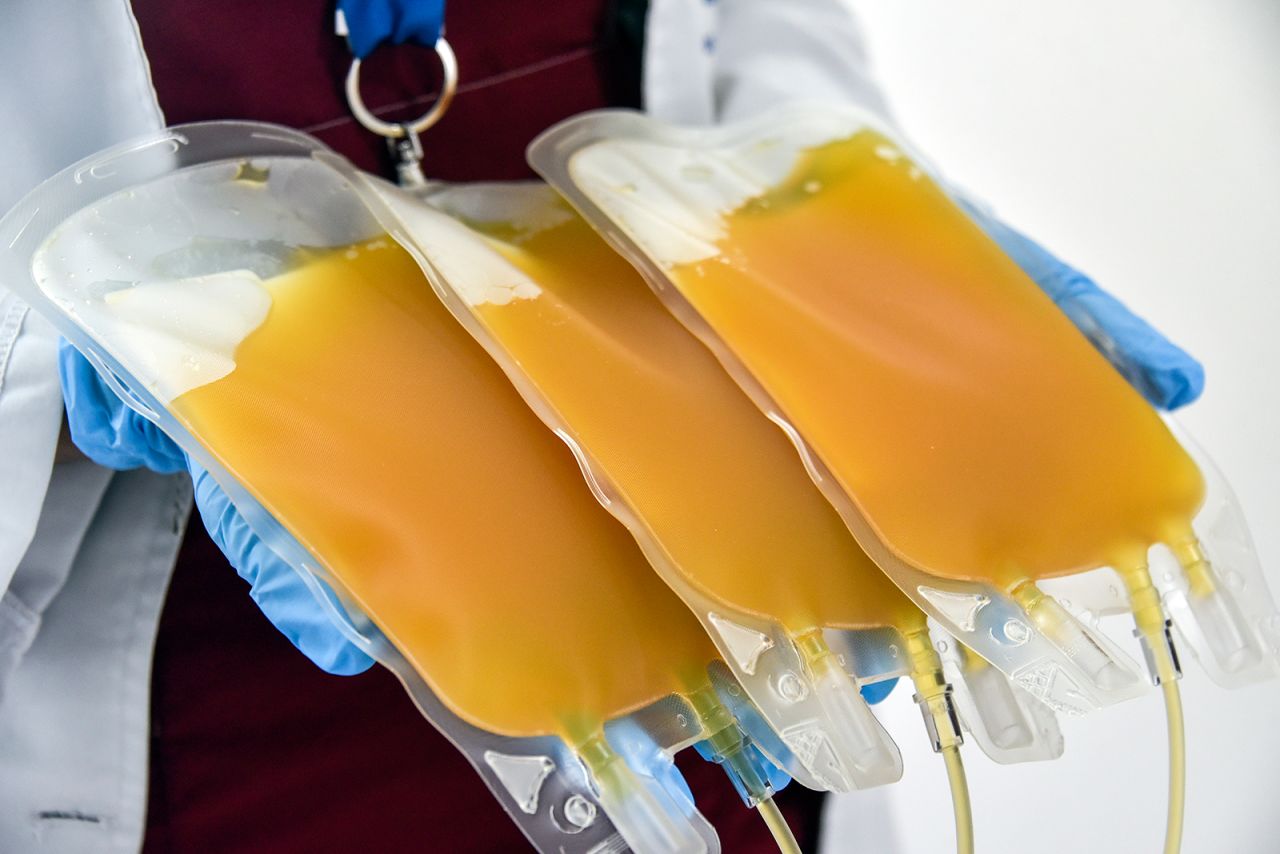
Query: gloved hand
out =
(103, 428)
(113, 435)
(1161, 371)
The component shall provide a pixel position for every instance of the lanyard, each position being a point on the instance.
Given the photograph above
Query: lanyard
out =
(368, 24)
(372, 23)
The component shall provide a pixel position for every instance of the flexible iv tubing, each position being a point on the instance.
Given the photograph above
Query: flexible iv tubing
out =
(1177, 761)
(959, 799)
(1150, 619)
(778, 827)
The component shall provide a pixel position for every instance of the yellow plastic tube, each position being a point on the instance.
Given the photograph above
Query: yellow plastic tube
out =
(933, 694)
(778, 826)
(1153, 627)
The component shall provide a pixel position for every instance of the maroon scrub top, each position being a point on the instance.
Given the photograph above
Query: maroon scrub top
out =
(253, 748)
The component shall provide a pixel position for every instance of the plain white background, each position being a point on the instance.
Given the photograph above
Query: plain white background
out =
(1141, 142)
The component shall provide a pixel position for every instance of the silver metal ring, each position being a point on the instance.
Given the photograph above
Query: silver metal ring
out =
(448, 88)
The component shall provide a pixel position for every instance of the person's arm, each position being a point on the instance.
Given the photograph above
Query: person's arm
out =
(766, 53)
(30, 415)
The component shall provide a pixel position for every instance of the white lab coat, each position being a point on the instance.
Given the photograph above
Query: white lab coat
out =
(85, 554)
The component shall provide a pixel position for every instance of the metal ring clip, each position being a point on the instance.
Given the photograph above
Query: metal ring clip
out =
(448, 88)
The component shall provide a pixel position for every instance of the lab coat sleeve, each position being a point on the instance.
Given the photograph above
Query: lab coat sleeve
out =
(30, 416)
(84, 85)
(679, 62)
(767, 51)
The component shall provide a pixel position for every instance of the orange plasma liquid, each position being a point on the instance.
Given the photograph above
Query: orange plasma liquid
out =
(981, 435)
(719, 488)
(374, 427)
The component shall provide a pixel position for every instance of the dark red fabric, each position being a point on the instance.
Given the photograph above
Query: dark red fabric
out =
(523, 66)
(253, 748)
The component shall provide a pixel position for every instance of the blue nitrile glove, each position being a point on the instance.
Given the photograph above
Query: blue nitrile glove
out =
(278, 590)
(1164, 373)
(113, 435)
(877, 691)
(371, 23)
(108, 432)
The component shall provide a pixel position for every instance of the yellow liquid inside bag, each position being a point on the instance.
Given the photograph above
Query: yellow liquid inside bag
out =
(720, 488)
(981, 435)
(385, 439)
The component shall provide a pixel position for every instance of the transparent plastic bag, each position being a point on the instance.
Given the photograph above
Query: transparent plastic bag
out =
(612, 375)
(693, 208)
(673, 448)
(172, 261)
(1229, 624)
